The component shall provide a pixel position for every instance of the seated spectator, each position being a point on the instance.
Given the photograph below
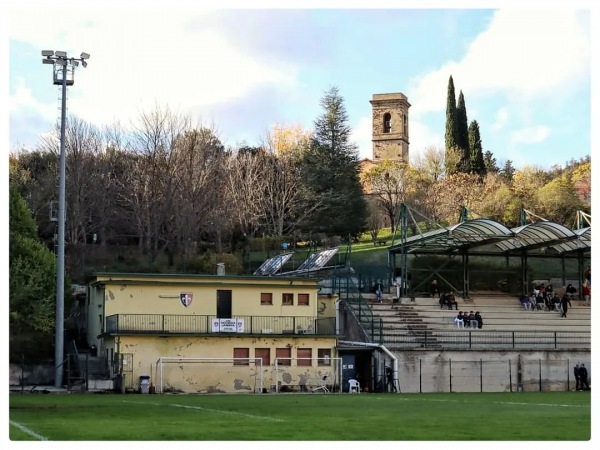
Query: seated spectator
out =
(539, 302)
(451, 300)
(459, 320)
(525, 302)
(549, 302)
(479, 319)
(442, 300)
(556, 301)
(472, 320)
(571, 291)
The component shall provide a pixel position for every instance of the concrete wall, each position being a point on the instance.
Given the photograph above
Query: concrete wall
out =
(487, 371)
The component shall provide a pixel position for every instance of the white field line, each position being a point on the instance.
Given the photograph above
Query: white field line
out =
(495, 402)
(28, 431)
(252, 416)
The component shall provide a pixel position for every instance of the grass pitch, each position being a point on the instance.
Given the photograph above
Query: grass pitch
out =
(302, 417)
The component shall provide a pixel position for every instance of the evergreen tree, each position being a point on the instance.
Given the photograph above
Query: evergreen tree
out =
(508, 171)
(490, 163)
(330, 171)
(462, 134)
(32, 270)
(451, 122)
(477, 162)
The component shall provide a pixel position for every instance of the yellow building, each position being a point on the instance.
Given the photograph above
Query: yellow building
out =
(214, 333)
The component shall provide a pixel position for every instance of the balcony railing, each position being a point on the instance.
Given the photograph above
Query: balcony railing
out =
(491, 340)
(180, 324)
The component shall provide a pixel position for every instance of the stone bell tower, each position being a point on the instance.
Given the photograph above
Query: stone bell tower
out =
(390, 127)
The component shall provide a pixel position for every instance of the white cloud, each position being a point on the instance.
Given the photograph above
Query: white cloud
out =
(143, 57)
(501, 119)
(522, 53)
(530, 135)
(362, 134)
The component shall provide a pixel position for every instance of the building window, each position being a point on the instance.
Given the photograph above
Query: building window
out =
(241, 353)
(287, 299)
(324, 357)
(284, 356)
(387, 123)
(303, 299)
(304, 356)
(266, 298)
(264, 354)
(405, 123)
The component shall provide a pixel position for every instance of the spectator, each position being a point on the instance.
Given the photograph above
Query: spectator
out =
(479, 319)
(472, 320)
(576, 373)
(459, 320)
(379, 294)
(563, 303)
(583, 375)
(571, 290)
(586, 293)
(539, 301)
(524, 299)
(451, 300)
(556, 301)
(588, 276)
(443, 300)
(434, 288)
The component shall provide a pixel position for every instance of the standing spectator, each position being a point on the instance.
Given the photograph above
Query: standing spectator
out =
(588, 276)
(479, 319)
(434, 288)
(583, 375)
(576, 373)
(459, 320)
(378, 293)
(389, 375)
(587, 292)
(563, 303)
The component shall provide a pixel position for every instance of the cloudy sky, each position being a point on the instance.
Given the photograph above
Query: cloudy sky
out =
(524, 71)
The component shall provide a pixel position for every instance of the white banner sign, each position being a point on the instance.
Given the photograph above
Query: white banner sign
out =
(228, 325)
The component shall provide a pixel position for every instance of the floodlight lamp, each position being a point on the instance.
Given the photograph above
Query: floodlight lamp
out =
(60, 54)
(75, 63)
(60, 62)
(84, 63)
(47, 52)
(48, 61)
(85, 55)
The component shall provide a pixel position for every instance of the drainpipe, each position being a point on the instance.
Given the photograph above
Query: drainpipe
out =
(337, 317)
(384, 348)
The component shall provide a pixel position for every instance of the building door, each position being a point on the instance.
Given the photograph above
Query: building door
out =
(223, 304)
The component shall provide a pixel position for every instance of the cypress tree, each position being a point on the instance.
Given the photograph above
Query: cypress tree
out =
(451, 124)
(462, 134)
(477, 161)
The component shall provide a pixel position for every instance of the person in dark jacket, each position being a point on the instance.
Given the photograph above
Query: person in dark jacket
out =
(577, 377)
(564, 301)
(478, 319)
(583, 375)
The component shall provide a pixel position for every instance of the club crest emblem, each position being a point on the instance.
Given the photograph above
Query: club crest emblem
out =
(186, 298)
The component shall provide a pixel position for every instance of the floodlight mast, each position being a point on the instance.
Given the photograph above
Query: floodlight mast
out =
(61, 63)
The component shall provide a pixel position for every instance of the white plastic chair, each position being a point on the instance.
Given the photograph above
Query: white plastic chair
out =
(354, 386)
(322, 385)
